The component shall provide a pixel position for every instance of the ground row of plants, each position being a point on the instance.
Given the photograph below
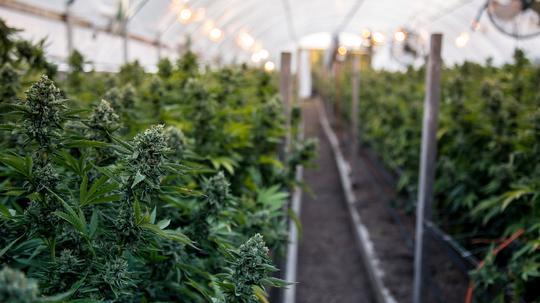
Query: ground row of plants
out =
(488, 167)
(133, 187)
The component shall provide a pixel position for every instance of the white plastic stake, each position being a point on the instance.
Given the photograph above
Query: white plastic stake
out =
(427, 165)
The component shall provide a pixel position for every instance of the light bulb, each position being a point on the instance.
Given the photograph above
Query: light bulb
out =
(185, 14)
(378, 38)
(462, 39)
(263, 54)
(366, 33)
(245, 40)
(216, 34)
(269, 66)
(400, 36)
(342, 50)
(255, 58)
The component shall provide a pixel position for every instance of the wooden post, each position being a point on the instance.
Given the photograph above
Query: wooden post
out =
(286, 94)
(298, 72)
(158, 46)
(427, 166)
(337, 94)
(355, 142)
(69, 27)
(125, 40)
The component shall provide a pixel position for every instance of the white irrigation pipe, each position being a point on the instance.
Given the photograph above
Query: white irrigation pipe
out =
(371, 262)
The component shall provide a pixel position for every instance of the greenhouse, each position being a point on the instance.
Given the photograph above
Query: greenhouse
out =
(249, 151)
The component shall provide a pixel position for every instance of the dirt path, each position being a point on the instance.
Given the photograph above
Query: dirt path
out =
(330, 268)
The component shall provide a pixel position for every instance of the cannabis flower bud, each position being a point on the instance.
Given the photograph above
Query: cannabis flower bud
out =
(44, 106)
(216, 191)
(175, 140)
(114, 278)
(149, 149)
(113, 96)
(251, 266)
(104, 117)
(128, 96)
(16, 288)
(44, 177)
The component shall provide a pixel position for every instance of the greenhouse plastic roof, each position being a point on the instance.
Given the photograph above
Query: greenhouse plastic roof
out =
(249, 26)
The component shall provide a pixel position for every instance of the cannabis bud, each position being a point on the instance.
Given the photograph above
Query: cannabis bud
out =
(63, 272)
(216, 190)
(114, 277)
(175, 140)
(128, 96)
(149, 149)
(16, 288)
(251, 266)
(113, 96)
(44, 177)
(104, 117)
(44, 105)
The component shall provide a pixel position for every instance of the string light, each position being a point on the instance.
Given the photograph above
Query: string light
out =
(185, 14)
(462, 39)
(400, 36)
(366, 33)
(378, 38)
(269, 66)
(263, 54)
(245, 40)
(216, 34)
(255, 58)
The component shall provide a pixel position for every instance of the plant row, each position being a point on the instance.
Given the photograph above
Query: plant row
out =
(488, 167)
(137, 187)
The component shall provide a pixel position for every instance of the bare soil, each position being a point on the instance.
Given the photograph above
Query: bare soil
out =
(330, 267)
(392, 231)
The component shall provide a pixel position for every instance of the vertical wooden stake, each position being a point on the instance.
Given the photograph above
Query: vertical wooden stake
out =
(158, 46)
(286, 94)
(427, 165)
(125, 40)
(69, 27)
(337, 94)
(354, 105)
(298, 72)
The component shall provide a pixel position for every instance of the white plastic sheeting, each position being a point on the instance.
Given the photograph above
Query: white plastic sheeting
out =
(249, 26)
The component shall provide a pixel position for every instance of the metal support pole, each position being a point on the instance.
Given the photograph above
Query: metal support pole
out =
(427, 166)
(354, 105)
(285, 90)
